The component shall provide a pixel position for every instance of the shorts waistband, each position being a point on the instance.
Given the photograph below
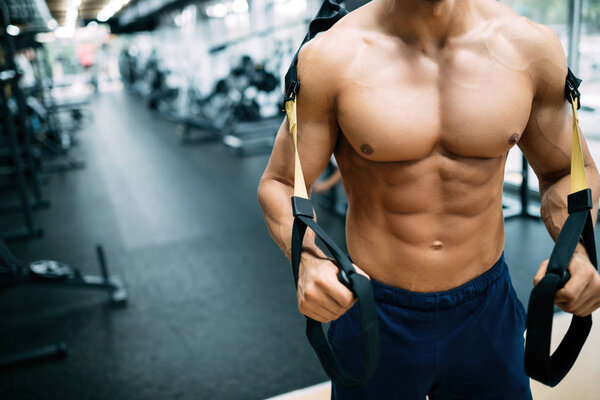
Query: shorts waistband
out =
(440, 300)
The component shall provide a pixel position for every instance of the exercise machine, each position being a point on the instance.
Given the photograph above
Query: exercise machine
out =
(53, 274)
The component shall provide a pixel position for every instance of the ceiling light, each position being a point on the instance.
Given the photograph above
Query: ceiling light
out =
(239, 6)
(110, 9)
(218, 10)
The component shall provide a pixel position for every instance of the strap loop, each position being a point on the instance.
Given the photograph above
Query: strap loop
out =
(540, 365)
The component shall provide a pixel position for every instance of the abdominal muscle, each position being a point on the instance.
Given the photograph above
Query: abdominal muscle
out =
(424, 226)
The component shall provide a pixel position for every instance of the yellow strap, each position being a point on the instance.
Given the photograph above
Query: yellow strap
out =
(299, 184)
(578, 180)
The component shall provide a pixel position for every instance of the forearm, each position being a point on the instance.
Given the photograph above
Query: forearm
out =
(554, 194)
(274, 197)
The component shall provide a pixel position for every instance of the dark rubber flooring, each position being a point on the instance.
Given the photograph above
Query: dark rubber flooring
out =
(212, 311)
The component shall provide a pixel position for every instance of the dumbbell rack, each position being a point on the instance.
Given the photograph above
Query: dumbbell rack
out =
(15, 126)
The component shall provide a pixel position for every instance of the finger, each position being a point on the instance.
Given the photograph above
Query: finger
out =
(583, 312)
(319, 316)
(587, 302)
(571, 294)
(336, 297)
(541, 272)
(312, 309)
(572, 301)
(343, 297)
(587, 309)
(317, 299)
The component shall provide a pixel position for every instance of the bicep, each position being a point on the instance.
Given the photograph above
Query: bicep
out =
(317, 126)
(546, 140)
(315, 146)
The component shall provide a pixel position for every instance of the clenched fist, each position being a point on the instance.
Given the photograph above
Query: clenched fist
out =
(581, 293)
(321, 296)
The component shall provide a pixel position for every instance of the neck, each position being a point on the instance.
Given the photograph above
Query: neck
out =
(426, 24)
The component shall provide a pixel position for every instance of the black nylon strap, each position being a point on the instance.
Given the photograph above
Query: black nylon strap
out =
(539, 364)
(359, 285)
(329, 13)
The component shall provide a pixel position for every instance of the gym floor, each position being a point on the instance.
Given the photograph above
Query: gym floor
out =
(212, 311)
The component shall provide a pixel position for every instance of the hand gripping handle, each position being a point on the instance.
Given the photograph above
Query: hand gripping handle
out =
(358, 284)
(539, 363)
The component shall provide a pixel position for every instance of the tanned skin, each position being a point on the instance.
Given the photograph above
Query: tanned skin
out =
(420, 101)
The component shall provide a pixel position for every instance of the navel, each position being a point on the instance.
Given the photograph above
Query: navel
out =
(514, 138)
(366, 149)
(437, 245)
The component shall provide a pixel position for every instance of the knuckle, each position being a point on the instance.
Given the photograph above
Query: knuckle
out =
(589, 273)
(566, 307)
(348, 300)
(321, 281)
(569, 296)
(309, 295)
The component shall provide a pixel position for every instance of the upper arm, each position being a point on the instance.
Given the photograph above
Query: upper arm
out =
(317, 124)
(546, 141)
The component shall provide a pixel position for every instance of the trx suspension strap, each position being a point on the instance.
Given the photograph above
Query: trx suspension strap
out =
(329, 13)
(539, 364)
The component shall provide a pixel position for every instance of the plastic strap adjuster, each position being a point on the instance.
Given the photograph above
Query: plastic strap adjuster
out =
(292, 90)
(580, 201)
(571, 88)
(302, 206)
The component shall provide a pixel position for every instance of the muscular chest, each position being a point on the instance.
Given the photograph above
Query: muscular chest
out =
(470, 104)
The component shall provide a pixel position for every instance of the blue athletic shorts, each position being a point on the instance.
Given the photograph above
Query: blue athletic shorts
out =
(461, 344)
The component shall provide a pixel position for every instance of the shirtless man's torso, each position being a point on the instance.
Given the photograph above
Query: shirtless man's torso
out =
(420, 101)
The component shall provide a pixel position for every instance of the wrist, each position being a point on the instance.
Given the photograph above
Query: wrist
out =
(313, 252)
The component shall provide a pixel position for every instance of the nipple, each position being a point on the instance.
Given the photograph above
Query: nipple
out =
(514, 138)
(437, 245)
(366, 149)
